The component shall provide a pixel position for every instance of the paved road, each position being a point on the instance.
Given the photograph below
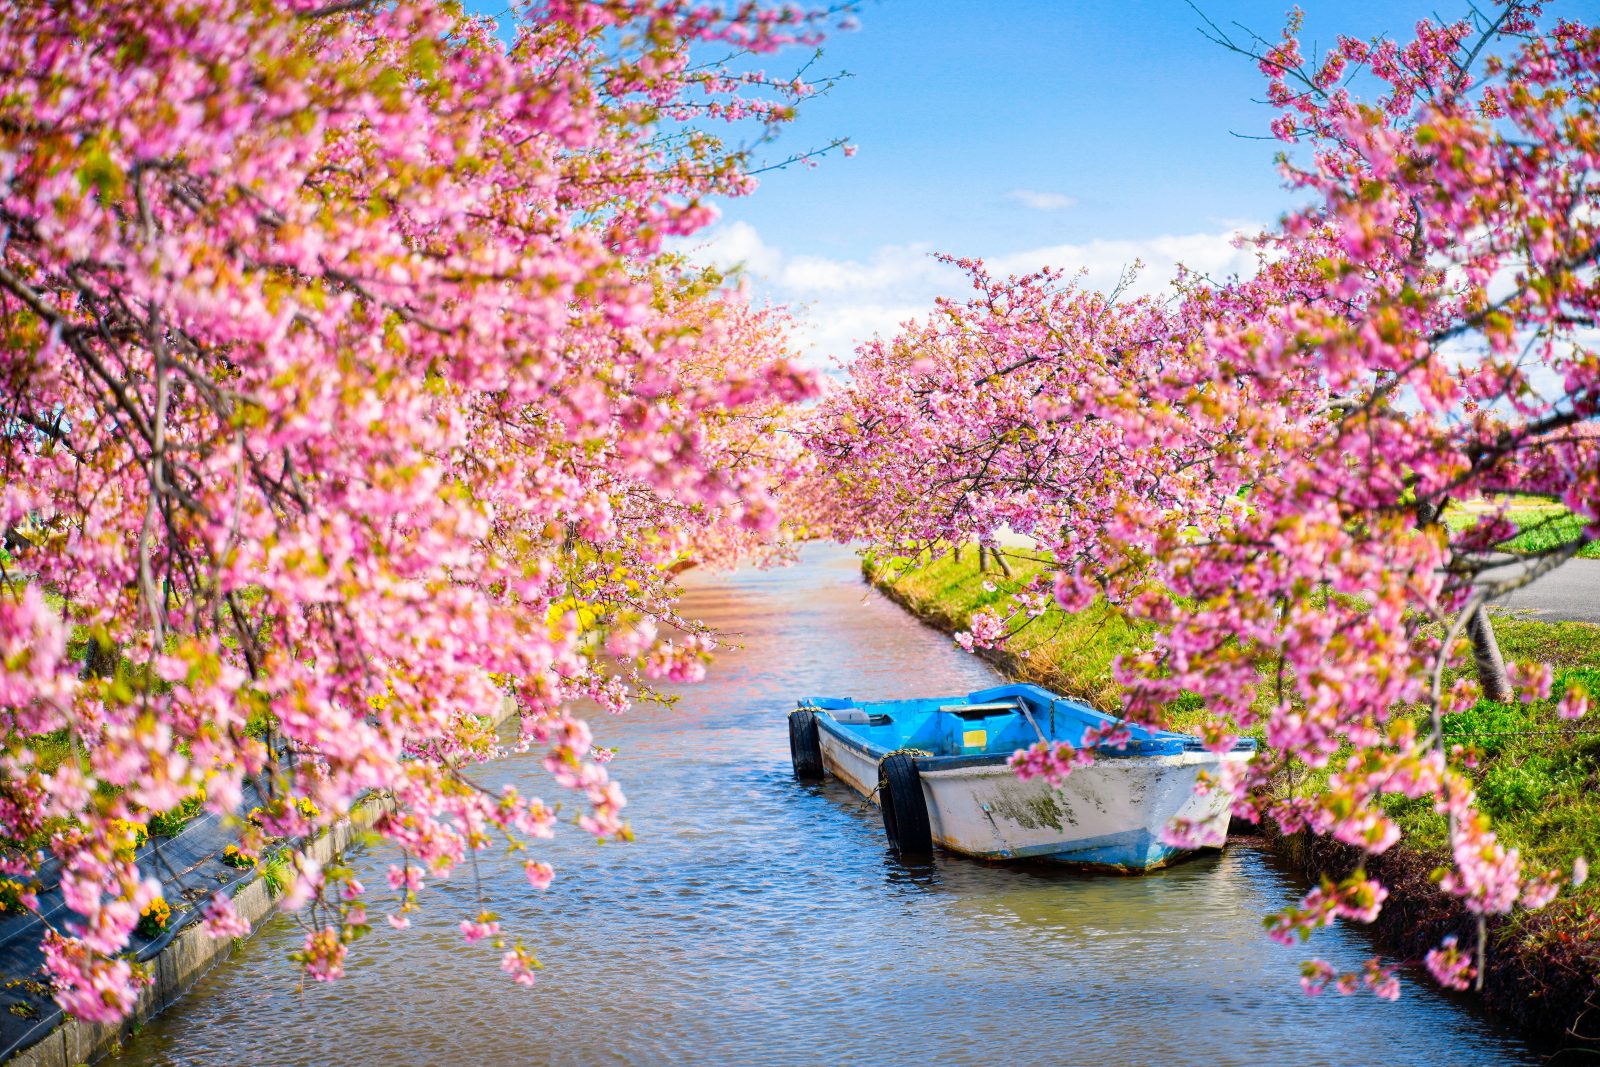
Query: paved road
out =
(1571, 592)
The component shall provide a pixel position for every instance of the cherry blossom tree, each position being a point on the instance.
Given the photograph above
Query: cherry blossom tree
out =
(348, 391)
(1258, 469)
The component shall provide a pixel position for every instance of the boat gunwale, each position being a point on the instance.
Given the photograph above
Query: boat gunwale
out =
(843, 733)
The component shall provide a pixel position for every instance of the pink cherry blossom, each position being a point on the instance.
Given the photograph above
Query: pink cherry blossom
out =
(323, 955)
(352, 391)
(1574, 703)
(1450, 967)
(221, 920)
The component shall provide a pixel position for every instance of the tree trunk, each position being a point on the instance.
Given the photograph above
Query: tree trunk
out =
(1491, 664)
(99, 658)
(999, 557)
(983, 563)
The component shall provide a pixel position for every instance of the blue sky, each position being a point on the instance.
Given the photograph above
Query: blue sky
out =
(1069, 133)
(1027, 132)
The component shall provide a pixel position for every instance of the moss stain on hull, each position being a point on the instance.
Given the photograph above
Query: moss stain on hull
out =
(1031, 808)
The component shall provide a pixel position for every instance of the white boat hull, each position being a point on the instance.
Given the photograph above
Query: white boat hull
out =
(1109, 814)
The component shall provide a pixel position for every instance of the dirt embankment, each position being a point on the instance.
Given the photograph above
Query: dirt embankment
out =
(1542, 974)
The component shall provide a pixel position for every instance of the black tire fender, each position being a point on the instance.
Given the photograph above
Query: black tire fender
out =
(905, 813)
(805, 747)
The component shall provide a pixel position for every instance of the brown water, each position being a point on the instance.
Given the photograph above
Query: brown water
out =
(759, 920)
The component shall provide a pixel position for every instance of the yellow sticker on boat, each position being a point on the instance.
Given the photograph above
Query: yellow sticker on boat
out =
(974, 739)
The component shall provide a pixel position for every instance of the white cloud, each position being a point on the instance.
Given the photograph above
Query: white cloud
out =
(839, 303)
(1102, 262)
(892, 268)
(835, 330)
(1040, 201)
(736, 244)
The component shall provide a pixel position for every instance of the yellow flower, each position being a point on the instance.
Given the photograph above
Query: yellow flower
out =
(126, 837)
(153, 919)
(234, 856)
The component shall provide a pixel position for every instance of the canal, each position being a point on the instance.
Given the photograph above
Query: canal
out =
(759, 920)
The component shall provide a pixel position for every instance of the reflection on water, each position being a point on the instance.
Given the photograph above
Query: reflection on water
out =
(759, 920)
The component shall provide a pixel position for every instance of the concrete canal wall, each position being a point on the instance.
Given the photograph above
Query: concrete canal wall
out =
(192, 952)
(176, 968)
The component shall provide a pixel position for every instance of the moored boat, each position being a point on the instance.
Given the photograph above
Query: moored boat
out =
(938, 769)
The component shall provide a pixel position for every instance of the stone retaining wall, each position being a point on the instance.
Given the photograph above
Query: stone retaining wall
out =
(192, 952)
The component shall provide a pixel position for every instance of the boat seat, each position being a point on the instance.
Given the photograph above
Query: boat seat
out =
(980, 711)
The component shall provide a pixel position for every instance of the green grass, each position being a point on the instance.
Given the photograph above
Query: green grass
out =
(1538, 776)
(1541, 524)
(168, 823)
(1542, 532)
(1070, 653)
(277, 873)
(1074, 653)
(53, 749)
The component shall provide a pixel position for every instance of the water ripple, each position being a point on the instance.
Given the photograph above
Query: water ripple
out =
(763, 921)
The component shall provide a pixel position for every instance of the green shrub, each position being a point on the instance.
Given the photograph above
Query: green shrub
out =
(168, 823)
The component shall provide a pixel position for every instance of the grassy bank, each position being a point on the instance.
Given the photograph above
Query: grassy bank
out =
(1537, 776)
(1541, 524)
